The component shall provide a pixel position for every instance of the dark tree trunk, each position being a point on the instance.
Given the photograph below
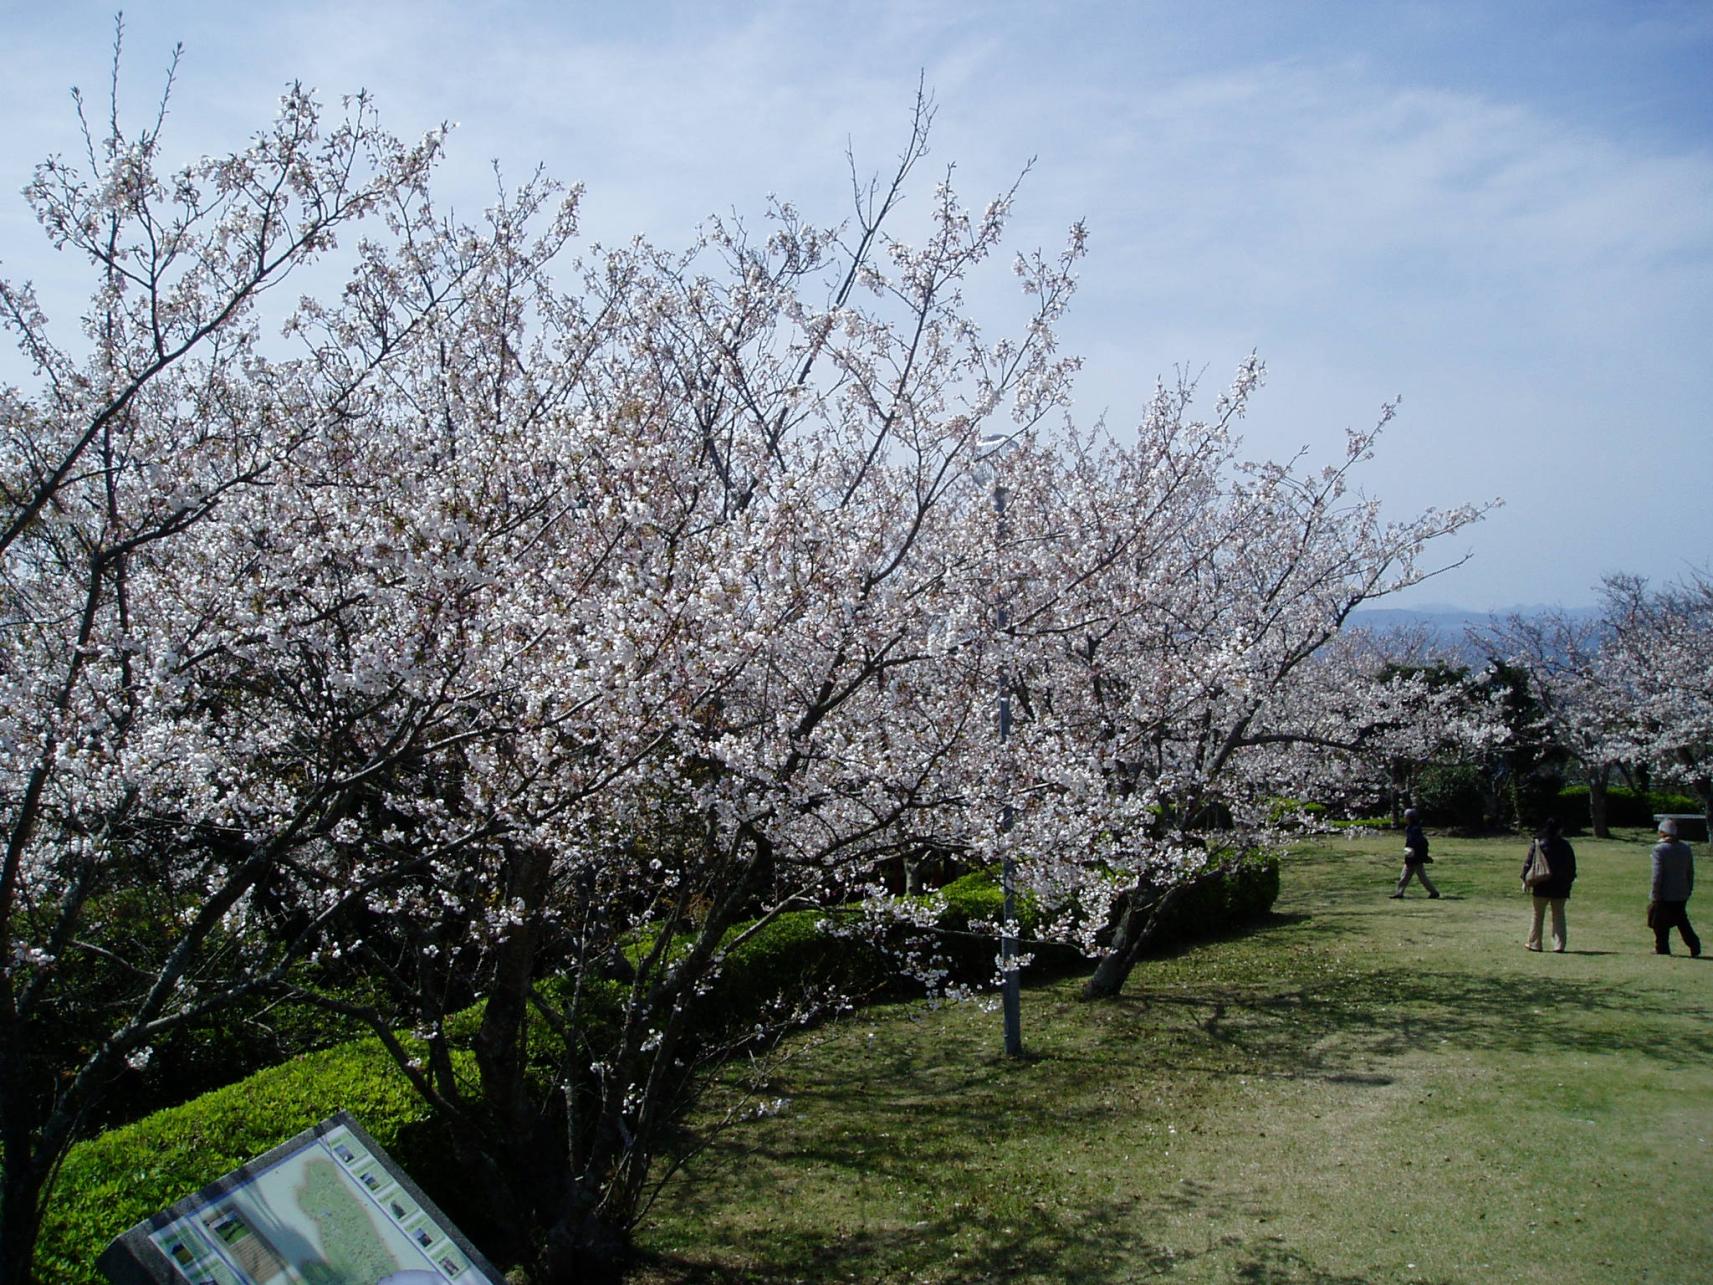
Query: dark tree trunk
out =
(1703, 787)
(20, 1221)
(1400, 783)
(20, 1181)
(1136, 928)
(583, 1250)
(1597, 802)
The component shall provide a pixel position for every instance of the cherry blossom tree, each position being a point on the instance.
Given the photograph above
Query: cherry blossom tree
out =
(1662, 670)
(137, 829)
(1570, 662)
(506, 634)
(488, 658)
(715, 659)
(1385, 705)
(1165, 602)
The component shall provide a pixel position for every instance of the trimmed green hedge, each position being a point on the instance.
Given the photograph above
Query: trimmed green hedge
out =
(120, 1177)
(114, 1180)
(973, 904)
(1244, 894)
(1624, 806)
(791, 959)
(1283, 808)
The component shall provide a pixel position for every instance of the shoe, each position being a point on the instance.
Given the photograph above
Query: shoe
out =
(1396, 896)
(1526, 946)
(1433, 896)
(1558, 950)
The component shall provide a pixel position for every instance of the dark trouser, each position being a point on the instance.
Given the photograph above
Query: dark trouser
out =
(1668, 915)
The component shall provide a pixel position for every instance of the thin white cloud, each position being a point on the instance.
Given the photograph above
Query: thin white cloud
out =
(1533, 271)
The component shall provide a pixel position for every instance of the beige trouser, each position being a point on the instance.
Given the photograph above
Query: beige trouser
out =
(1559, 938)
(1416, 870)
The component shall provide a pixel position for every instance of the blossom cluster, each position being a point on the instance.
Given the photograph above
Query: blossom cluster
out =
(514, 615)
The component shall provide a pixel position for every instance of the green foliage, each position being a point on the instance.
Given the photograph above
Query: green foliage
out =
(128, 931)
(1453, 796)
(977, 899)
(789, 965)
(116, 1179)
(968, 937)
(1243, 893)
(1280, 810)
(1526, 773)
(792, 963)
(1624, 806)
(1364, 823)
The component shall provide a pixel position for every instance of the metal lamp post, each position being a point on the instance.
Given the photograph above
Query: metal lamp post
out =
(1010, 986)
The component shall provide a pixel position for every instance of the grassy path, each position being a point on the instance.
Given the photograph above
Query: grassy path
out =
(1364, 1090)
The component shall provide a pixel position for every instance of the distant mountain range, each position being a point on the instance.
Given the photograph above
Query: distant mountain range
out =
(1450, 627)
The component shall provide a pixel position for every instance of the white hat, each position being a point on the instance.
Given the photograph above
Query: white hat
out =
(1668, 827)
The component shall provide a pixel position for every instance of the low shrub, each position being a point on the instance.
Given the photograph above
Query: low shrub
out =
(967, 936)
(114, 1180)
(120, 1177)
(1364, 823)
(790, 964)
(1624, 806)
(1242, 892)
(1280, 810)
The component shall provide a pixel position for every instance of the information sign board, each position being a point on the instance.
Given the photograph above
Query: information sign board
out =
(329, 1206)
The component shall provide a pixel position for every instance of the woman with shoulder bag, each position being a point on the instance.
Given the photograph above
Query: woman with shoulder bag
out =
(1548, 872)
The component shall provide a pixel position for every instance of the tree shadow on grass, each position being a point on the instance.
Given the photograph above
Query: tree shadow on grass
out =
(879, 1141)
(918, 1120)
(1092, 1244)
(1343, 1024)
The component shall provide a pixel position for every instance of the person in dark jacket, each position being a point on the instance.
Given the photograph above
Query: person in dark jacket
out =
(1415, 855)
(1668, 897)
(1561, 860)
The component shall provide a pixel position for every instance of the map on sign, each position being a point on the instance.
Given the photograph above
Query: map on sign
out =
(329, 1212)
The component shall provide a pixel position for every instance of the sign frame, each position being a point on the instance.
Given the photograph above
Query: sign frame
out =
(190, 1228)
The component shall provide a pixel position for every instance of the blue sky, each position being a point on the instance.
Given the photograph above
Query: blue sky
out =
(1502, 213)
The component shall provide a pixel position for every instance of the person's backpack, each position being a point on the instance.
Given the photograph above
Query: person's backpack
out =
(1539, 868)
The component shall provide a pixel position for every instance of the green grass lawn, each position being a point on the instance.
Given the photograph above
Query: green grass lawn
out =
(1362, 1090)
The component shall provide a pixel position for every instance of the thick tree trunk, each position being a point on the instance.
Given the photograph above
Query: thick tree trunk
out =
(500, 1042)
(20, 1209)
(1136, 927)
(1597, 803)
(583, 1249)
(21, 1172)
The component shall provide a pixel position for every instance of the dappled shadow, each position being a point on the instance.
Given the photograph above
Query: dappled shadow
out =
(1325, 1030)
(932, 1113)
(1089, 1244)
(1334, 1033)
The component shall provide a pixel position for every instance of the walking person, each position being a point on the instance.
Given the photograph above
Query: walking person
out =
(1668, 898)
(1551, 893)
(1415, 856)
